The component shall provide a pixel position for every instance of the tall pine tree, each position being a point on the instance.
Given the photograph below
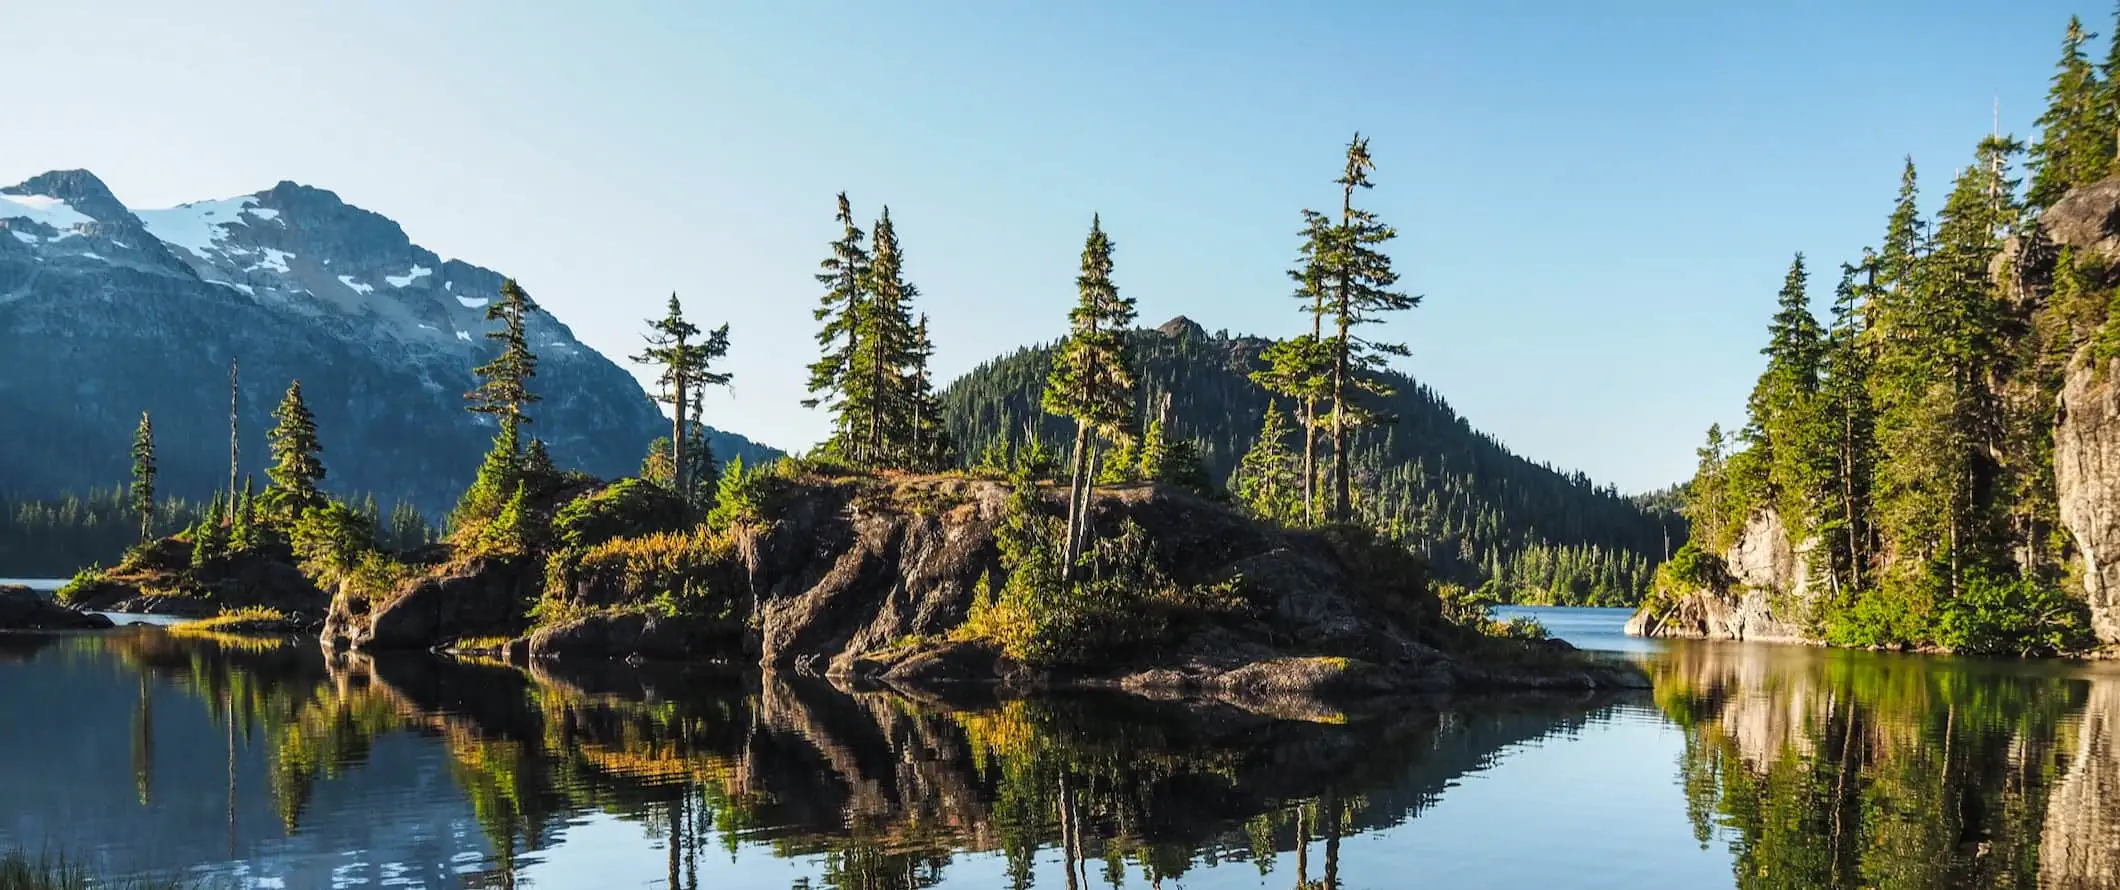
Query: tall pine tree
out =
(143, 477)
(877, 405)
(1092, 378)
(504, 383)
(674, 344)
(1359, 277)
(845, 275)
(2077, 131)
(1268, 479)
(1850, 421)
(929, 448)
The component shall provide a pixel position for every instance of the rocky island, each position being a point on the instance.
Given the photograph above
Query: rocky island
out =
(907, 579)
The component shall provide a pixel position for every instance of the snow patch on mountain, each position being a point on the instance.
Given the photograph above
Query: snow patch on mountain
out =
(472, 302)
(418, 272)
(460, 335)
(43, 210)
(25, 237)
(275, 260)
(200, 226)
(356, 286)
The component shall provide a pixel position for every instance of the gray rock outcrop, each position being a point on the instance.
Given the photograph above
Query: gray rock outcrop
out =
(24, 609)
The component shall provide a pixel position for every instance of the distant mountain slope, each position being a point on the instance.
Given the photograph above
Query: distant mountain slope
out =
(106, 312)
(1477, 509)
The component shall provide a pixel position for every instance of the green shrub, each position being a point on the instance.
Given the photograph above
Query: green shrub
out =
(695, 574)
(1692, 568)
(1117, 601)
(83, 580)
(738, 496)
(2013, 616)
(1464, 606)
(1522, 627)
(329, 541)
(626, 508)
(1896, 613)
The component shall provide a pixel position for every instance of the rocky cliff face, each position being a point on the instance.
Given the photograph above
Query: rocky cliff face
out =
(1766, 598)
(2087, 476)
(106, 312)
(2087, 430)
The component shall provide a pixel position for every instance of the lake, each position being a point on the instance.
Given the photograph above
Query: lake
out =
(267, 764)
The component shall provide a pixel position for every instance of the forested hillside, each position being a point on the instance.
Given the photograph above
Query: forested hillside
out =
(1929, 464)
(1477, 511)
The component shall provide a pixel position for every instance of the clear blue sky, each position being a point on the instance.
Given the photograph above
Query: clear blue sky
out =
(1597, 199)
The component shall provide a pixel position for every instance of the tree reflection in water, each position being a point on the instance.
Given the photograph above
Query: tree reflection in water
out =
(1848, 769)
(876, 788)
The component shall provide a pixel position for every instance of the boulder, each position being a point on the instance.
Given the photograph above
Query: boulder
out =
(486, 596)
(619, 635)
(24, 609)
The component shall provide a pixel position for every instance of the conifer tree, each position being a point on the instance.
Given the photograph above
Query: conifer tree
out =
(1785, 415)
(2076, 133)
(1267, 480)
(660, 466)
(143, 477)
(294, 448)
(845, 276)
(243, 532)
(687, 369)
(504, 390)
(1301, 369)
(1938, 341)
(874, 392)
(1092, 378)
(1153, 451)
(669, 346)
(1850, 428)
(930, 446)
(1707, 504)
(537, 467)
(1359, 278)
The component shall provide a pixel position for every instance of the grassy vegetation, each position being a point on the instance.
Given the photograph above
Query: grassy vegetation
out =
(20, 872)
(234, 621)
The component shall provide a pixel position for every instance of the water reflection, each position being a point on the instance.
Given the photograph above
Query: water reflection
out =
(1839, 769)
(269, 764)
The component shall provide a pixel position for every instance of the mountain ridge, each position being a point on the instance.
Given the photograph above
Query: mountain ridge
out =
(110, 311)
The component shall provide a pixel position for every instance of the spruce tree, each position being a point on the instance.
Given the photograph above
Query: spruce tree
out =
(243, 531)
(876, 398)
(294, 448)
(1850, 423)
(2076, 132)
(504, 391)
(930, 447)
(1301, 369)
(1092, 378)
(1359, 279)
(1785, 420)
(537, 468)
(143, 477)
(845, 276)
(1267, 481)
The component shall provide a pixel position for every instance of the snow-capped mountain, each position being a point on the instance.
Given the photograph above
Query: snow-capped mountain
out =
(106, 312)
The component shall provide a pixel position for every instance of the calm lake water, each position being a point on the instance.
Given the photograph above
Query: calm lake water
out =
(268, 765)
